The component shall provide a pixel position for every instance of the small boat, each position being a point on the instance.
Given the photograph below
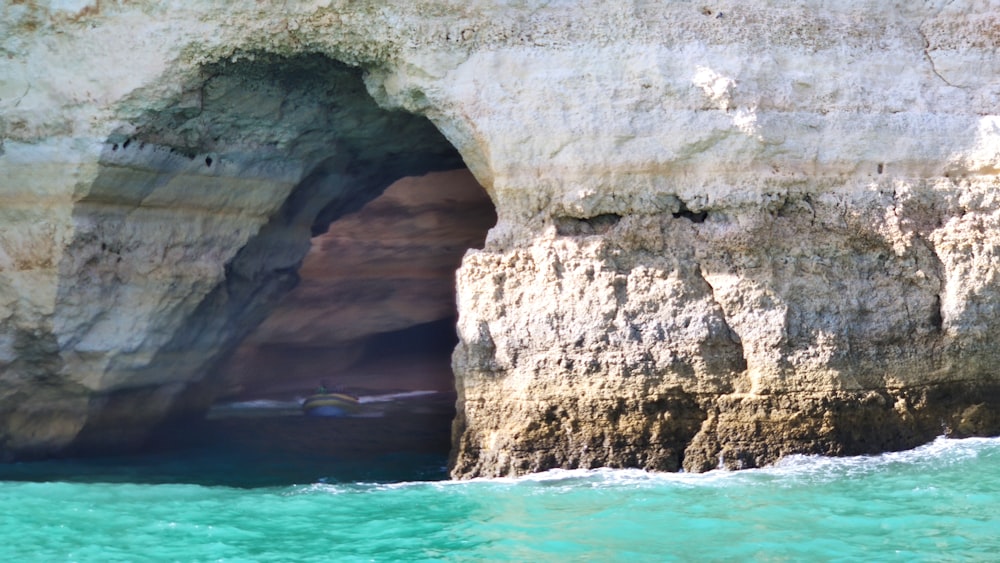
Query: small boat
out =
(330, 404)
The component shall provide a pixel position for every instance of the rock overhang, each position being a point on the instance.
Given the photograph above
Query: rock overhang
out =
(841, 160)
(189, 224)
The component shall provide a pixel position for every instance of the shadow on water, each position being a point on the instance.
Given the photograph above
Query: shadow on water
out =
(401, 441)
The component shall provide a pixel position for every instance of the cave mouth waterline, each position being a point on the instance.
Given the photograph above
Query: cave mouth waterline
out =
(248, 164)
(257, 435)
(374, 314)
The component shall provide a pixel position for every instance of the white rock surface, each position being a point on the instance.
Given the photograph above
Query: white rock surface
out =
(711, 215)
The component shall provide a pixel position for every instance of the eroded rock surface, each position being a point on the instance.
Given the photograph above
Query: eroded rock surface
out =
(388, 267)
(731, 230)
(188, 229)
(691, 343)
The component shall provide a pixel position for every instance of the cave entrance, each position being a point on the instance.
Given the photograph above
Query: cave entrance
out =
(379, 222)
(269, 228)
(374, 309)
(374, 315)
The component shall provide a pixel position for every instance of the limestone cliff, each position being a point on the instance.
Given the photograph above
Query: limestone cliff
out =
(728, 231)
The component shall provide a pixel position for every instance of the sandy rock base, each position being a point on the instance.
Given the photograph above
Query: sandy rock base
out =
(674, 431)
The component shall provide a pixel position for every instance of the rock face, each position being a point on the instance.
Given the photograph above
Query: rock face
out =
(727, 231)
(388, 267)
(175, 237)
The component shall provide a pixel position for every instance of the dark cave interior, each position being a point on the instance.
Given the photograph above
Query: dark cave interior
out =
(249, 119)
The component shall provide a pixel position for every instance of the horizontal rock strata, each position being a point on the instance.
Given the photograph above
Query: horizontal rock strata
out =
(726, 231)
(388, 267)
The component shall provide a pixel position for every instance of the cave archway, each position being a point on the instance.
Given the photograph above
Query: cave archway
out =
(199, 217)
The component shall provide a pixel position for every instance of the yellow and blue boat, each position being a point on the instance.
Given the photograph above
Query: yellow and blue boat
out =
(330, 404)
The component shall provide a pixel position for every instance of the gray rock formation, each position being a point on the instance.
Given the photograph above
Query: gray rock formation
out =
(726, 232)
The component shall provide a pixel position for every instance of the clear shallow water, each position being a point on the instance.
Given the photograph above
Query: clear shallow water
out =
(939, 502)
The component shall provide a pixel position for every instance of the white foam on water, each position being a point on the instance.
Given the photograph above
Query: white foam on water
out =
(941, 451)
(319, 488)
(792, 469)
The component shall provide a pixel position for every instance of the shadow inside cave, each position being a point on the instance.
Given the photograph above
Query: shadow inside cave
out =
(405, 444)
(258, 435)
(261, 126)
(401, 432)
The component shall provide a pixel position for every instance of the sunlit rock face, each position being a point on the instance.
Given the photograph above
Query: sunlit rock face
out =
(726, 233)
(388, 267)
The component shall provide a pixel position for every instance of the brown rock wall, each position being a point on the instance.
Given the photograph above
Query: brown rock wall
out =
(387, 267)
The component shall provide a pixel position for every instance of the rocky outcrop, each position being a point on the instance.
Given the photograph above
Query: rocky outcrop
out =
(750, 250)
(689, 343)
(726, 232)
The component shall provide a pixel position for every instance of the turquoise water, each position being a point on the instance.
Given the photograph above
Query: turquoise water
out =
(938, 502)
